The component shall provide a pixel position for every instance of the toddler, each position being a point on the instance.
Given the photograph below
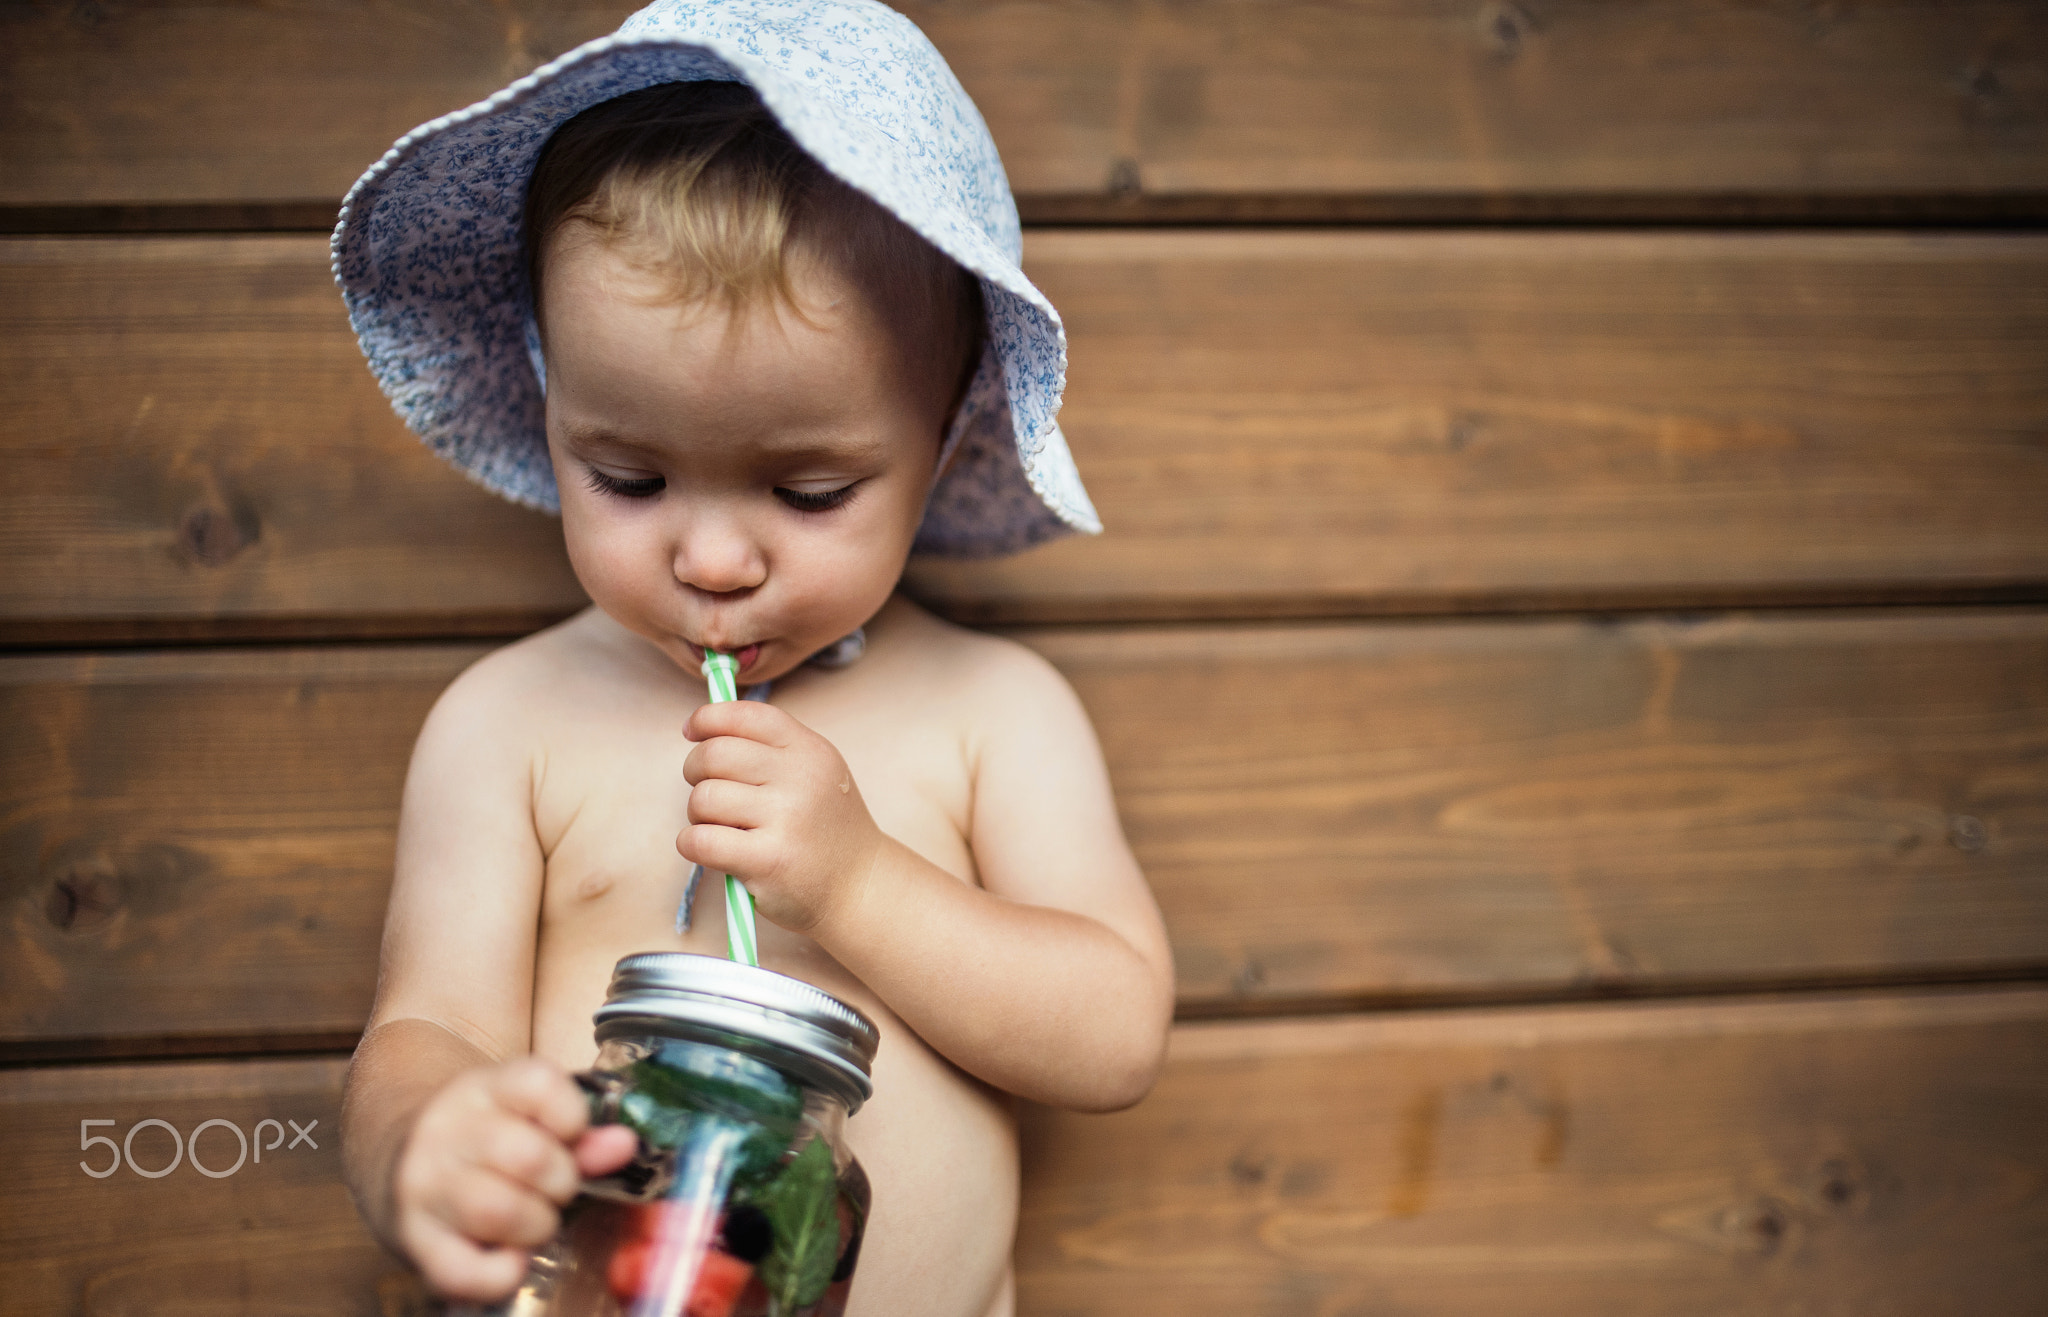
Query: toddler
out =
(736, 291)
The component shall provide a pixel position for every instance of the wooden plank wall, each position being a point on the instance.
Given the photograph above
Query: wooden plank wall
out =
(1572, 641)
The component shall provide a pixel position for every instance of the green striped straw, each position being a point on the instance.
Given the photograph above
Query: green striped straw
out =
(721, 673)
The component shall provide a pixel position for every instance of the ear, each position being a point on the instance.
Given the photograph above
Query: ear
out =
(948, 451)
(953, 429)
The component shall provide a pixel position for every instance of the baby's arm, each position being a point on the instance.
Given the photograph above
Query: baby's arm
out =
(1052, 980)
(456, 1145)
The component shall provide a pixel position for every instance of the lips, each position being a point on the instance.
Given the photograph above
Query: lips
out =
(746, 654)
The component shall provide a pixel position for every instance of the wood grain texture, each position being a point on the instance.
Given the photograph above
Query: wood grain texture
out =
(1343, 813)
(277, 1236)
(1876, 1154)
(1275, 423)
(191, 433)
(1342, 422)
(1522, 96)
(201, 842)
(121, 101)
(1873, 1155)
(1390, 811)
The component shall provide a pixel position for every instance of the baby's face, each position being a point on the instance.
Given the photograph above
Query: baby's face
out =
(745, 483)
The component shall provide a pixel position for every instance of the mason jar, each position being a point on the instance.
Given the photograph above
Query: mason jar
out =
(742, 1200)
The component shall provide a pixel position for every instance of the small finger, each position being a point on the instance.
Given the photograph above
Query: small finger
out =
(728, 804)
(720, 849)
(542, 1091)
(752, 720)
(459, 1268)
(490, 1208)
(531, 1156)
(731, 757)
(605, 1149)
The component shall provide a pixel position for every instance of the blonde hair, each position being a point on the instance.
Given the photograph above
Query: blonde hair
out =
(703, 177)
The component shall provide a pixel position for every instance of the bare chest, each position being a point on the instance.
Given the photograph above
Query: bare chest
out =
(609, 805)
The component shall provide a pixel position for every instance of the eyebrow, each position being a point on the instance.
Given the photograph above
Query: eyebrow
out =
(597, 436)
(808, 448)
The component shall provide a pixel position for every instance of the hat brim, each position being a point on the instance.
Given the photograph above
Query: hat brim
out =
(428, 256)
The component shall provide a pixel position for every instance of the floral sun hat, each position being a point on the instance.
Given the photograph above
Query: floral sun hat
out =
(428, 256)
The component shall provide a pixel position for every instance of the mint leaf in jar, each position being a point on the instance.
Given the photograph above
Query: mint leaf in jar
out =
(716, 1079)
(800, 1206)
(669, 1094)
(660, 1125)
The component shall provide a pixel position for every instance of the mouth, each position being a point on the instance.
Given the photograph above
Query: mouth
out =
(746, 654)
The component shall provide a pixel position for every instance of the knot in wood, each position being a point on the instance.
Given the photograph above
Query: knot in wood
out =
(82, 899)
(1502, 26)
(1967, 833)
(214, 536)
(1839, 1186)
(1761, 1225)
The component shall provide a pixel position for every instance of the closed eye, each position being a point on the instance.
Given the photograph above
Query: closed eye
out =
(805, 501)
(646, 487)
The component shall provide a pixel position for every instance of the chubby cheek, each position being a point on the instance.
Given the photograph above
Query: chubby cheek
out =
(838, 583)
(826, 585)
(620, 572)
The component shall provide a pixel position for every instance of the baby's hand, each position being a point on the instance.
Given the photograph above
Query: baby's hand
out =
(773, 804)
(489, 1160)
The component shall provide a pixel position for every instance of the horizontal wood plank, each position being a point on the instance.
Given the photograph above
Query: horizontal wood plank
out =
(1878, 1155)
(1391, 812)
(273, 1236)
(193, 436)
(1115, 101)
(1345, 422)
(1436, 97)
(1870, 1154)
(240, 801)
(126, 102)
(1271, 424)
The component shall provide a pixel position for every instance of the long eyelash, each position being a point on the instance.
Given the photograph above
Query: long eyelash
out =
(618, 488)
(807, 502)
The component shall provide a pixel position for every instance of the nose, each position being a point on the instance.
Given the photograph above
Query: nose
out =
(715, 554)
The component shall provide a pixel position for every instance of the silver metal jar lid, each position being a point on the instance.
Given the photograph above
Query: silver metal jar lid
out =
(786, 1022)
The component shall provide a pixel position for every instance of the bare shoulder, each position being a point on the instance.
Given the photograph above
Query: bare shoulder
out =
(523, 687)
(470, 863)
(1043, 823)
(982, 681)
